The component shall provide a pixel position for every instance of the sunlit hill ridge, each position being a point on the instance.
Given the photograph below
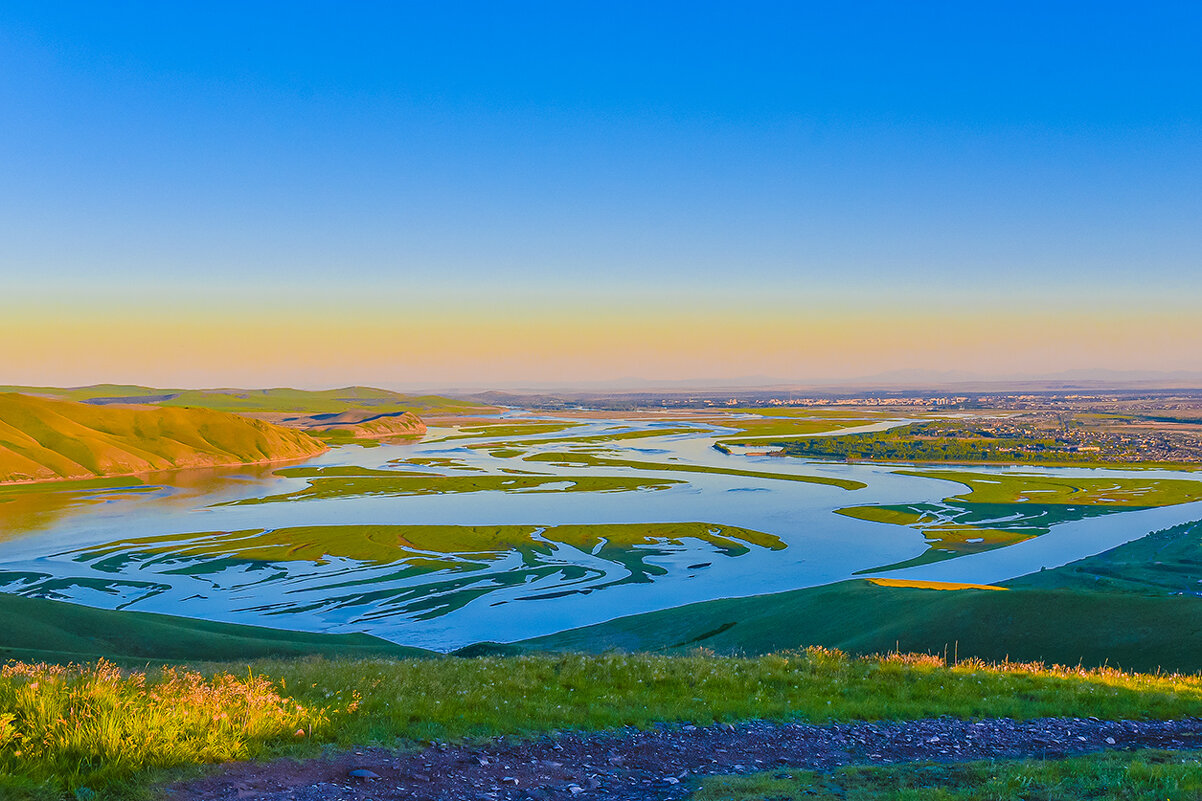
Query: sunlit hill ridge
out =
(43, 439)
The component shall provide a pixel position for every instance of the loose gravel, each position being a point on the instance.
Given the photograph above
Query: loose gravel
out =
(657, 764)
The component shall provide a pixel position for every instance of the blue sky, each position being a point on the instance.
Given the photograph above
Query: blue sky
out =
(541, 154)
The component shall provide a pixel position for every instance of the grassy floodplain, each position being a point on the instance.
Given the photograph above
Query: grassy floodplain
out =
(1002, 509)
(573, 459)
(587, 439)
(776, 430)
(957, 442)
(1020, 488)
(507, 429)
(414, 544)
(750, 430)
(99, 728)
(431, 570)
(410, 484)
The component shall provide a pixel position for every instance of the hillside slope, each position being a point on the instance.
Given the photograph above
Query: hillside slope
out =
(382, 426)
(56, 631)
(1126, 606)
(43, 439)
(1055, 626)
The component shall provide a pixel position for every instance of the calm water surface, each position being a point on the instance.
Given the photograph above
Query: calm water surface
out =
(66, 545)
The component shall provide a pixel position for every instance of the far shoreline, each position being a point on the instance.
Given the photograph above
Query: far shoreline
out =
(68, 479)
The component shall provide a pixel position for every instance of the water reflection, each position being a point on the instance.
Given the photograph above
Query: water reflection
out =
(163, 542)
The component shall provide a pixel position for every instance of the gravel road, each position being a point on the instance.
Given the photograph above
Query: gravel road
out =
(656, 765)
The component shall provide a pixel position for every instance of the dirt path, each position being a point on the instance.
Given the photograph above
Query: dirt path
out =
(656, 765)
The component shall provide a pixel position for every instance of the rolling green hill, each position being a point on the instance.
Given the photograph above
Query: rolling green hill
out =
(1054, 626)
(1068, 615)
(277, 400)
(55, 631)
(43, 439)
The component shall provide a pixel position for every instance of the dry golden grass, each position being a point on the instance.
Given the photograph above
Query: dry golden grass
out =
(43, 439)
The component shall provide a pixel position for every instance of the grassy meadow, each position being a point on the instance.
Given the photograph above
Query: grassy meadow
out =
(108, 730)
(88, 709)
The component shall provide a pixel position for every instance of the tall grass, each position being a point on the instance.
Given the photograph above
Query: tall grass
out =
(96, 726)
(451, 698)
(66, 728)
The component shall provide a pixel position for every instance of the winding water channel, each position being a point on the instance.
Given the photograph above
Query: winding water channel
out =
(74, 545)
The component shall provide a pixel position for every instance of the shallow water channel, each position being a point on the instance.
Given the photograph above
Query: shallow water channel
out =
(158, 546)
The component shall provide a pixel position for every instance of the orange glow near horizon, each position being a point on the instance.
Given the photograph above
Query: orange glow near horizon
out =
(424, 347)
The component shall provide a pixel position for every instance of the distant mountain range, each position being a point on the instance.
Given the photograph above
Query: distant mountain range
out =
(278, 400)
(1085, 379)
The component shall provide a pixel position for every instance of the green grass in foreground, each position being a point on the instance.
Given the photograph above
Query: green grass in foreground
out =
(1132, 776)
(97, 728)
(89, 731)
(589, 460)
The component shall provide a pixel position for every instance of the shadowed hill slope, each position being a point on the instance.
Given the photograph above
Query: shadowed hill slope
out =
(56, 631)
(356, 426)
(1076, 613)
(43, 439)
(1055, 626)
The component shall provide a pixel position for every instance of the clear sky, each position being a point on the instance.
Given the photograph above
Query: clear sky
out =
(427, 194)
